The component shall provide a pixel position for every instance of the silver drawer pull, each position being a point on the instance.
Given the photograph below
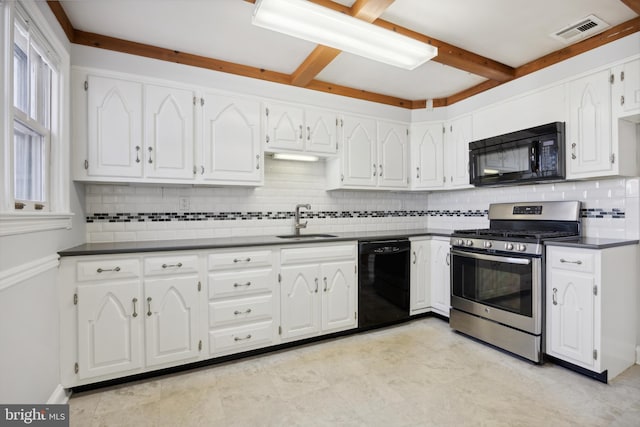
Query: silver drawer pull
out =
(248, 337)
(562, 260)
(135, 313)
(242, 259)
(247, 311)
(237, 285)
(102, 270)
(172, 265)
(149, 313)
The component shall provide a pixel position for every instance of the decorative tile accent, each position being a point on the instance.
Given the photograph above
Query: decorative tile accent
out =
(602, 213)
(239, 216)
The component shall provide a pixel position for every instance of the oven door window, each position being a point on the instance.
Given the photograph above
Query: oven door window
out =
(505, 282)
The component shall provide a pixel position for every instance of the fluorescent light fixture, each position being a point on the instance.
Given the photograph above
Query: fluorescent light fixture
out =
(309, 21)
(296, 157)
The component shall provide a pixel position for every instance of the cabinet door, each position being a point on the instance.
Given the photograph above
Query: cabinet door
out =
(339, 296)
(171, 319)
(231, 150)
(169, 142)
(114, 127)
(589, 126)
(570, 317)
(393, 147)
(321, 131)
(109, 328)
(457, 152)
(627, 88)
(440, 277)
(359, 152)
(300, 303)
(284, 127)
(427, 156)
(420, 296)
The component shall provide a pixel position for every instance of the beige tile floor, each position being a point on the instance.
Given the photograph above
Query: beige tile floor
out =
(416, 374)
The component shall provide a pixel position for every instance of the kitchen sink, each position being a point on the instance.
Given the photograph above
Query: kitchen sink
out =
(306, 236)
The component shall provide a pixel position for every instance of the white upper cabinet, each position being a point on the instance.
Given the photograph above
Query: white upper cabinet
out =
(374, 155)
(427, 156)
(588, 138)
(458, 135)
(230, 149)
(626, 89)
(114, 128)
(169, 125)
(393, 155)
(290, 128)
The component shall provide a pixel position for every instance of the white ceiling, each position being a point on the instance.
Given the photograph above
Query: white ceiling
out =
(507, 31)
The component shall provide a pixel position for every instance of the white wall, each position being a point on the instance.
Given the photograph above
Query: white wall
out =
(29, 353)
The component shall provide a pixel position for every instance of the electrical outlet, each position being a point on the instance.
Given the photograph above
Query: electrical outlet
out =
(183, 204)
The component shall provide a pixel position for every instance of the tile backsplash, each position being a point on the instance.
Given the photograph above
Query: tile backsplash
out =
(611, 207)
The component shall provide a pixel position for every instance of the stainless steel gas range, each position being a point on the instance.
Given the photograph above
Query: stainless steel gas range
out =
(497, 274)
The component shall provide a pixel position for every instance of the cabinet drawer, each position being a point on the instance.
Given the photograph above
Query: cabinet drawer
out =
(242, 338)
(108, 269)
(572, 259)
(318, 254)
(171, 264)
(238, 283)
(253, 309)
(240, 259)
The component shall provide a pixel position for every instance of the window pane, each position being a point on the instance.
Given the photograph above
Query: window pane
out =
(40, 89)
(20, 79)
(29, 164)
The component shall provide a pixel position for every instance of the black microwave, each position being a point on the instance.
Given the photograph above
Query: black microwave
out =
(529, 155)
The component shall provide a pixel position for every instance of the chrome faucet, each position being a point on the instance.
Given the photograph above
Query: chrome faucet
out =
(298, 225)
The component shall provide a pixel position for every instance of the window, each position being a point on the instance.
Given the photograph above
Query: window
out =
(34, 195)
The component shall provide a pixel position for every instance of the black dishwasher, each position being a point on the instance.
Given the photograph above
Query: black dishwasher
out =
(383, 282)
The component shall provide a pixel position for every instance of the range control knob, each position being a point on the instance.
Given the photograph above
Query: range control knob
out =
(469, 243)
(522, 247)
(460, 242)
(487, 244)
(508, 246)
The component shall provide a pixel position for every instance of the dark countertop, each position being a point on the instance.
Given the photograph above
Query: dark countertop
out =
(591, 243)
(240, 241)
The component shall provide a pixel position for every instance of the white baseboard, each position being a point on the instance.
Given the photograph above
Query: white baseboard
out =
(60, 396)
(638, 355)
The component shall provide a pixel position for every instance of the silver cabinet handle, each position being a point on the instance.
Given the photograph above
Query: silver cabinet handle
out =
(247, 311)
(555, 296)
(134, 301)
(149, 306)
(325, 284)
(237, 285)
(102, 270)
(380, 170)
(242, 259)
(308, 133)
(375, 170)
(415, 257)
(150, 150)
(247, 337)
(566, 261)
(316, 280)
(573, 151)
(258, 161)
(301, 136)
(137, 154)
(622, 100)
(418, 172)
(448, 259)
(172, 265)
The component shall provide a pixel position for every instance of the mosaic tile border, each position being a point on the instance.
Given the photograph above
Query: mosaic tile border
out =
(269, 215)
(243, 216)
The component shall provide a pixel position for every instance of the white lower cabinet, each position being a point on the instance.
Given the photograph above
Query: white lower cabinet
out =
(440, 276)
(318, 290)
(590, 307)
(420, 284)
(123, 321)
(243, 300)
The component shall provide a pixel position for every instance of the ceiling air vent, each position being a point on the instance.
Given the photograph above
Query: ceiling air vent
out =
(582, 29)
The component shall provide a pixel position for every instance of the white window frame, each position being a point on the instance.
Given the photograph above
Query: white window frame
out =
(58, 215)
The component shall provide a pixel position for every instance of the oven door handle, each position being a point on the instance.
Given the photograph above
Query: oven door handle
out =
(484, 257)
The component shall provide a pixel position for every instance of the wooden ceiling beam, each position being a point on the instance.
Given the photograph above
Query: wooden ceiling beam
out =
(633, 5)
(62, 18)
(321, 56)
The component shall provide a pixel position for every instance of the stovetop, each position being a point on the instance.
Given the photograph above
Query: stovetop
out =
(532, 235)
